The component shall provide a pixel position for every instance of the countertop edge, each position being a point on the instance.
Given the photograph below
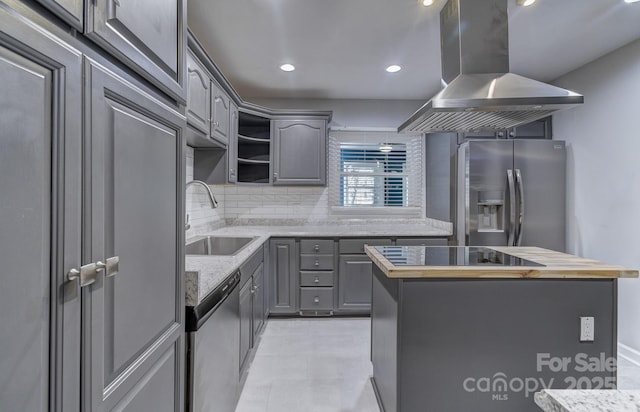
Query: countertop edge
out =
(556, 265)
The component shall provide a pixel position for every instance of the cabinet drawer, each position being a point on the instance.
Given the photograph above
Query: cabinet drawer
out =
(357, 245)
(422, 242)
(316, 298)
(316, 262)
(316, 278)
(318, 246)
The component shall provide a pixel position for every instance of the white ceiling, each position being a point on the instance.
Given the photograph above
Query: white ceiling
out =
(341, 47)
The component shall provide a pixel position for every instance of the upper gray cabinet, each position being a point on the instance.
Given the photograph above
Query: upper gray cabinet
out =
(299, 152)
(71, 11)
(198, 95)
(220, 107)
(232, 148)
(148, 35)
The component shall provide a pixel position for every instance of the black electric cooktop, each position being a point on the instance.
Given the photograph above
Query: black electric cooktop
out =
(450, 256)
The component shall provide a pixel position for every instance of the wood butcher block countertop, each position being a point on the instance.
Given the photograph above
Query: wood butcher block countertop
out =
(555, 265)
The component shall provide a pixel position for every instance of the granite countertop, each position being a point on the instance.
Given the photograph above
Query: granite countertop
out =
(204, 273)
(574, 400)
(552, 265)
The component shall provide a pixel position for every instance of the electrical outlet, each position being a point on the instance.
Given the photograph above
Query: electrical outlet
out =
(586, 329)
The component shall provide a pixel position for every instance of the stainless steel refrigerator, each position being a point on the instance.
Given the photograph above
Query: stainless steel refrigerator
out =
(511, 193)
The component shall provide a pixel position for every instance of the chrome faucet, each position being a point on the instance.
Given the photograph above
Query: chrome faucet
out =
(212, 198)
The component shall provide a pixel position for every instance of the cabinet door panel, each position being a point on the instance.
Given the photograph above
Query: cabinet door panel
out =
(232, 147)
(148, 35)
(71, 11)
(354, 283)
(25, 161)
(220, 107)
(299, 152)
(283, 273)
(40, 137)
(258, 302)
(135, 196)
(198, 95)
(246, 329)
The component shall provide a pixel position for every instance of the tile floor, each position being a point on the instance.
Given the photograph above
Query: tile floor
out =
(311, 365)
(322, 365)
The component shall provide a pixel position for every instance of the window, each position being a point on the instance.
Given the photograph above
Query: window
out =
(379, 171)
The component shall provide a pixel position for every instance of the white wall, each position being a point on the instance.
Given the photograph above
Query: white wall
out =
(603, 187)
(352, 113)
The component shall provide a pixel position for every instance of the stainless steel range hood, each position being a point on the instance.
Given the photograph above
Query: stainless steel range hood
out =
(479, 92)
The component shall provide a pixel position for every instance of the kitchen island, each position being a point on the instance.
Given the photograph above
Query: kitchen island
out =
(484, 328)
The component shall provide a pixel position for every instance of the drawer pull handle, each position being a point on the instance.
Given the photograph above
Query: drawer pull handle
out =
(316, 248)
(316, 280)
(316, 263)
(316, 300)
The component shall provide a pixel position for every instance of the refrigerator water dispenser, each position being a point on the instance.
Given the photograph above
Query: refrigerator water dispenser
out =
(490, 211)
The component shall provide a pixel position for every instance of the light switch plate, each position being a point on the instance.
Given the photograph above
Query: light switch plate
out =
(587, 332)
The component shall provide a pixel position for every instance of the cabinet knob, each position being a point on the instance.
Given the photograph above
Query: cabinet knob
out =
(316, 300)
(316, 248)
(316, 263)
(316, 280)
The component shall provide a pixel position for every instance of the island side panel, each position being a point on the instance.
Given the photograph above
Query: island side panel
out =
(458, 337)
(384, 339)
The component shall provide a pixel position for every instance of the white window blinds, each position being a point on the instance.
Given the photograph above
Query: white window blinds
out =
(375, 170)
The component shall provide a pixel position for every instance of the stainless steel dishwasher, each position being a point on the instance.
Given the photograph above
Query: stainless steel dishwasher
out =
(213, 354)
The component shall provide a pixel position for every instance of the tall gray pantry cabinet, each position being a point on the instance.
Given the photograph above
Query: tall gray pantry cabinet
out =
(91, 180)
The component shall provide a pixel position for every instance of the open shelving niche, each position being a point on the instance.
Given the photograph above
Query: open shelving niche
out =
(254, 148)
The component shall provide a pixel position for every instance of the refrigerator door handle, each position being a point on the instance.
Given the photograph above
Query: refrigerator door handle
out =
(512, 208)
(521, 208)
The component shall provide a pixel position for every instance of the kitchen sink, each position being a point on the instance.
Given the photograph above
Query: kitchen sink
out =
(217, 245)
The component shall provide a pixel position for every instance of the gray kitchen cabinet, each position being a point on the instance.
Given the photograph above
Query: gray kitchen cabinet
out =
(220, 112)
(317, 258)
(258, 302)
(354, 283)
(246, 328)
(150, 36)
(198, 95)
(299, 152)
(71, 11)
(232, 147)
(40, 158)
(133, 321)
(283, 273)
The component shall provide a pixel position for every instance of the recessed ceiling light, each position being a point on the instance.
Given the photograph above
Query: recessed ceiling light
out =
(287, 67)
(525, 3)
(385, 148)
(393, 68)
(426, 2)
(631, 1)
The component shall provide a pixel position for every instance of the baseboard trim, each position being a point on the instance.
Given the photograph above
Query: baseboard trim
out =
(629, 354)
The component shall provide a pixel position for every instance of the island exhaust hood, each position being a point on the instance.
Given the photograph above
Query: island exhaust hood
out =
(480, 93)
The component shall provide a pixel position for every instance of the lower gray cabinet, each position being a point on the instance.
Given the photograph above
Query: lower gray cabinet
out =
(258, 302)
(133, 320)
(354, 283)
(283, 273)
(246, 328)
